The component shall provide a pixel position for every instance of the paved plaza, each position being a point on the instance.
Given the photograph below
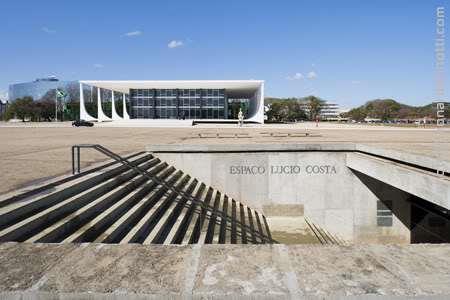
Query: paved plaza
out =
(31, 152)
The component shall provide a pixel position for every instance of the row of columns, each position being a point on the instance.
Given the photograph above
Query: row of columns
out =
(101, 116)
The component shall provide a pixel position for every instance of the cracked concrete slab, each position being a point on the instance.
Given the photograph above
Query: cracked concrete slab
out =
(230, 270)
(120, 269)
(98, 271)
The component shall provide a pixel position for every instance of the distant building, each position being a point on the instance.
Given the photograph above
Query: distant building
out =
(329, 111)
(3, 108)
(38, 88)
(372, 120)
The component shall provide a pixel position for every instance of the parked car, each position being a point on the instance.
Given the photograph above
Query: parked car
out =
(79, 123)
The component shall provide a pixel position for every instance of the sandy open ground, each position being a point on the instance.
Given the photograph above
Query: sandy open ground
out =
(32, 151)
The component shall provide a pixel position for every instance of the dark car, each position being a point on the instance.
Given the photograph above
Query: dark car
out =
(79, 123)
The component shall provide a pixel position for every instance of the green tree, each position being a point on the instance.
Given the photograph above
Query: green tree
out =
(383, 109)
(357, 114)
(315, 107)
(295, 111)
(45, 109)
(286, 111)
(277, 112)
(21, 108)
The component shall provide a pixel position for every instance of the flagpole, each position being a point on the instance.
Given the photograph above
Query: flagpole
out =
(56, 105)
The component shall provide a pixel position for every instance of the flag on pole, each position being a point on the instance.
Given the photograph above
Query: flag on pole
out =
(60, 93)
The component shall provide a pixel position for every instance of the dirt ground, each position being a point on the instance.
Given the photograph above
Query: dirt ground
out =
(31, 152)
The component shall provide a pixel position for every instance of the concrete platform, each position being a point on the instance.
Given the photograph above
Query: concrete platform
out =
(94, 271)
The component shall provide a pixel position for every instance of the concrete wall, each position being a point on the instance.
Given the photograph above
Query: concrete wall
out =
(332, 196)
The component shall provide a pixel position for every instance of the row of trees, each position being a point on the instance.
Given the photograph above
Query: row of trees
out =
(293, 109)
(389, 109)
(26, 109)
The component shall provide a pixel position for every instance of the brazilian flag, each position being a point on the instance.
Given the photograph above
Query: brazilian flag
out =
(60, 93)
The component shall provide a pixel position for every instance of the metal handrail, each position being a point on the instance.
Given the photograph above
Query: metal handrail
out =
(155, 178)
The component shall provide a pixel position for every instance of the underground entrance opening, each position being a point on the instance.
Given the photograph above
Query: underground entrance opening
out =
(326, 193)
(426, 222)
(320, 194)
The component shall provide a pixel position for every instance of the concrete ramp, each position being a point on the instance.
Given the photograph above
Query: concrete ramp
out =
(418, 182)
(115, 204)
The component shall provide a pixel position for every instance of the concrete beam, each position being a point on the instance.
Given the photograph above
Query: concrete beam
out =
(419, 160)
(423, 184)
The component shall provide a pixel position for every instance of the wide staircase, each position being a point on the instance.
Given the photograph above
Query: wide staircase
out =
(144, 201)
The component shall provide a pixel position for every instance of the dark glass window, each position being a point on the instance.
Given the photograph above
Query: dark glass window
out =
(143, 103)
(384, 214)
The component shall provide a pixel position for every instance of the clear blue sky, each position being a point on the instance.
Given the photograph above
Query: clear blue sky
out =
(346, 51)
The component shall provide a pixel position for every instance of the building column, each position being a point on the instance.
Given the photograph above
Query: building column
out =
(178, 104)
(124, 108)
(114, 114)
(201, 104)
(100, 114)
(84, 115)
(225, 106)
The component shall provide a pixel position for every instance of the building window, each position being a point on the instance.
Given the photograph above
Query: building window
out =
(173, 103)
(384, 213)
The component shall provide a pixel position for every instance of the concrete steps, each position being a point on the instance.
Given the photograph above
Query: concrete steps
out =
(323, 235)
(116, 204)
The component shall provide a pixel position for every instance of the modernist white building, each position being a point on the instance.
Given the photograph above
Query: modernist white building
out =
(197, 100)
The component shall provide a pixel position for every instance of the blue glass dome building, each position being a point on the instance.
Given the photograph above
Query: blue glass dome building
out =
(38, 88)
